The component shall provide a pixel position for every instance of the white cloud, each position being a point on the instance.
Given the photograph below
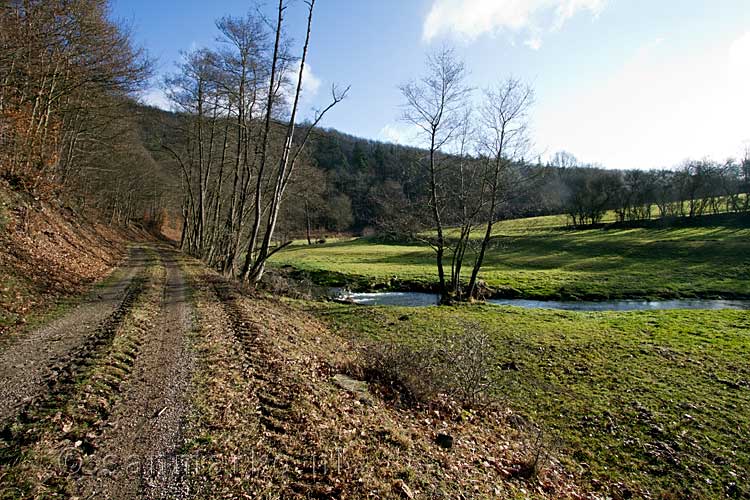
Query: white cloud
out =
(157, 98)
(310, 87)
(310, 83)
(568, 8)
(399, 133)
(469, 19)
(534, 43)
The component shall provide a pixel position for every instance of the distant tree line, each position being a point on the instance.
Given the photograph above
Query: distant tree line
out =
(67, 76)
(693, 189)
(376, 180)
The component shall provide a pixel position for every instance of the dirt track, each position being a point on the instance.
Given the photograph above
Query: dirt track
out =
(95, 401)
(31, 365)
(136, 456)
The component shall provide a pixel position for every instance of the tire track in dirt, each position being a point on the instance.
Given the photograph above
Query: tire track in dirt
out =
(28, 424)
(50, 356)
(276, 396)
(137, 456)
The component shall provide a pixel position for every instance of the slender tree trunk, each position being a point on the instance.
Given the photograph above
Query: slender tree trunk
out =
(440, 244)
(307, 221)
(217, 197)
(472, 288)
(264, 147)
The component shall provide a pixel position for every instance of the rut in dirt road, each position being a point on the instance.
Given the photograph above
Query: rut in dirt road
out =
(306, 478)
(33, 365)
(136, 456)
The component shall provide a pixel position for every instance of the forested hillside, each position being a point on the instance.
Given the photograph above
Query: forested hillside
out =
(69, 74)
(353, 183)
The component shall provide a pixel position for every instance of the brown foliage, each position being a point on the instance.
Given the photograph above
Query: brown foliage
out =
(62, 64)
(47, 255)
(456, 370)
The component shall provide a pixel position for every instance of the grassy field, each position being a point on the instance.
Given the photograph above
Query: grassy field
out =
(655, 400)
(539, 258)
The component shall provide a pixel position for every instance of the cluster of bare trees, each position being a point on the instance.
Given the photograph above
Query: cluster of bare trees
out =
(239, 147)
(474, 174)
(316, 206)
(695, 188)
(66, 73)
(472, 163)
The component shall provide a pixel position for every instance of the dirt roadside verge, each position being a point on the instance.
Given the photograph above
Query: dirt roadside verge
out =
(48, 255)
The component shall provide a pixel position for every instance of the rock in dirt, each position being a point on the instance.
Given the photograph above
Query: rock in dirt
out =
(402, 489)
(356, 387)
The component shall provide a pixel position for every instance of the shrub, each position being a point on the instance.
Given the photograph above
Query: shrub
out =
(533, 458)
(279, 283)
(456, 370)
(469, 356)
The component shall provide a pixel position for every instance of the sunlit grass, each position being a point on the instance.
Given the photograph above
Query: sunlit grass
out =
(537, 258)
(654, 399)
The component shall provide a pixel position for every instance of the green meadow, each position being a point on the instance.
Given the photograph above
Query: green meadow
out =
(541, 258)
(658, 401)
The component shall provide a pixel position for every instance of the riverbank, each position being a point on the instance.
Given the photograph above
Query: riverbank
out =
(419, 299)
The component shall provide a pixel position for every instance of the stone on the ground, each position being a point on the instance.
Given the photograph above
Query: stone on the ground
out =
(356, 387)
(444, 441)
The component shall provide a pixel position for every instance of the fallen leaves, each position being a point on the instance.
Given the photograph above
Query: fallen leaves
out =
(51, 256)
(361, 450)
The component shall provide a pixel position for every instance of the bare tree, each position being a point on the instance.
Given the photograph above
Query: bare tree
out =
(194, 91)
(241, 107)
(305, 204)
(467, 196)
(564, 159)
(504, 117)
(435, 105)
(63, 67)
(249, 84)
(256, 258)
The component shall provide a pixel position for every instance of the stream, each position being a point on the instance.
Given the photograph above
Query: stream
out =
(419, 299)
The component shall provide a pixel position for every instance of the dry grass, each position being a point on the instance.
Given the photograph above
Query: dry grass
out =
(455, 370)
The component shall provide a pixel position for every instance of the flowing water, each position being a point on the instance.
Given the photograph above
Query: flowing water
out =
(418, 299)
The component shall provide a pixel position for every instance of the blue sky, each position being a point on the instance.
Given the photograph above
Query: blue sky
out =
(623, 83)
